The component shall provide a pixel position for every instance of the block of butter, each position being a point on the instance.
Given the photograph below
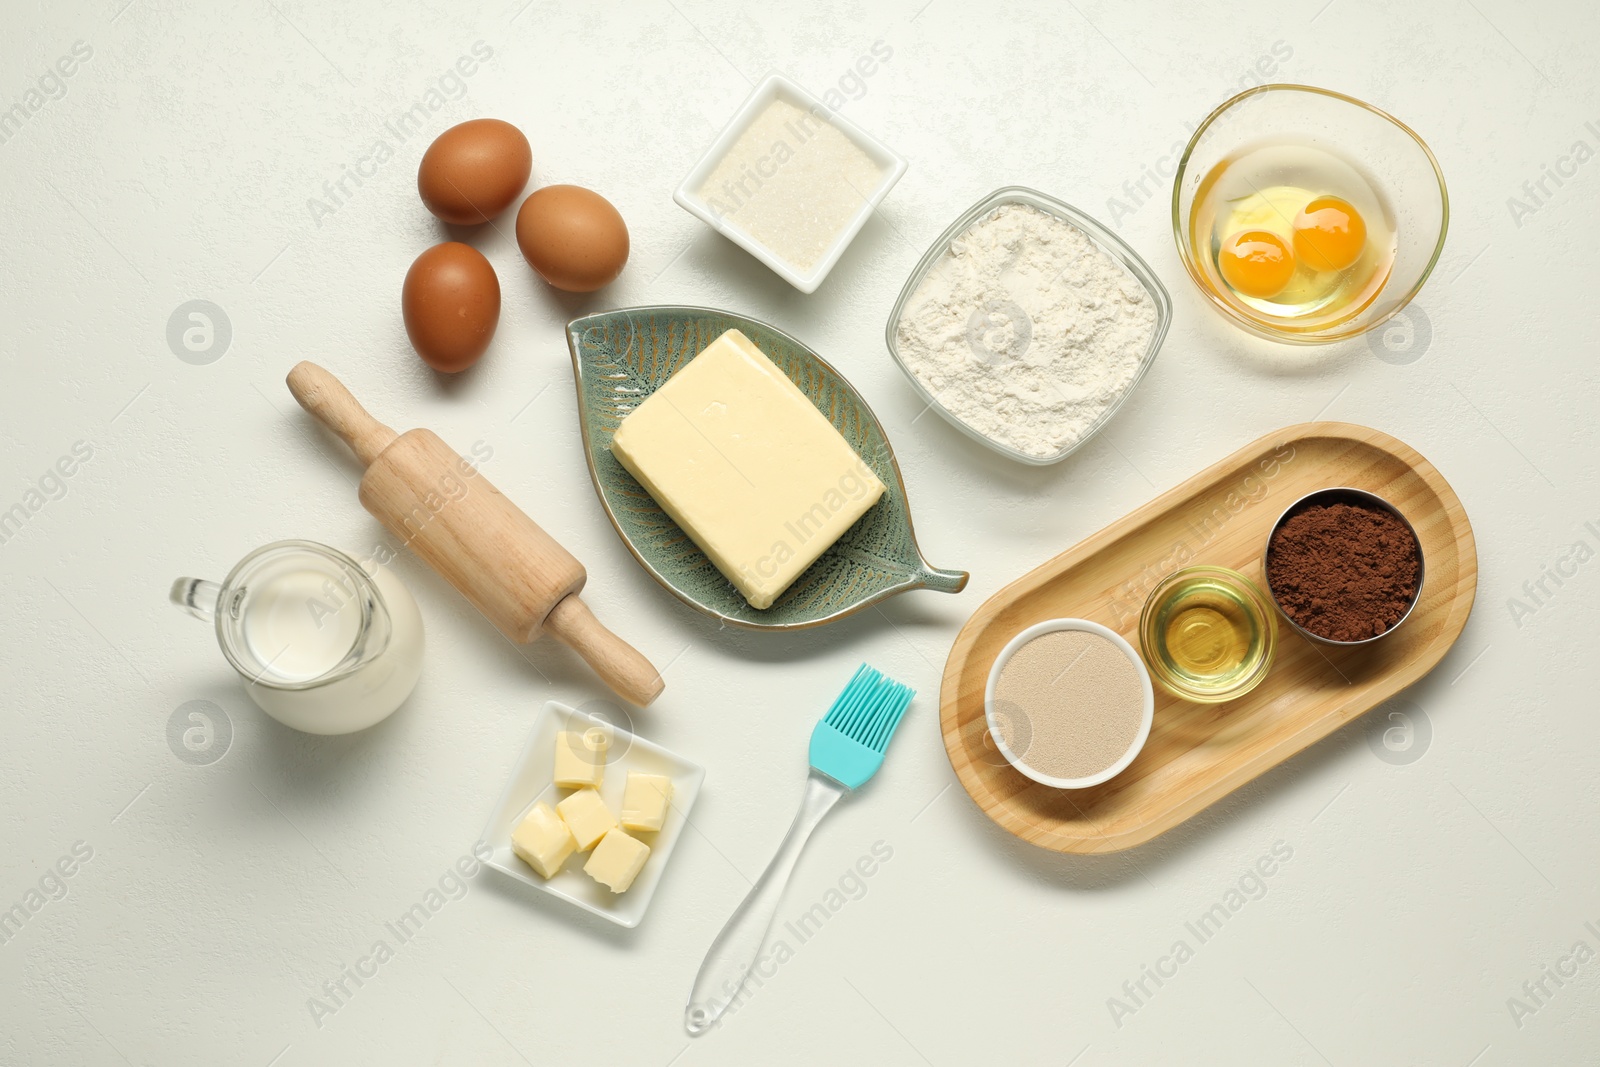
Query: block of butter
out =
(587, 817)
(581, 757)
(617, 860)
(747, 466)
(543, 840)
(645, 800)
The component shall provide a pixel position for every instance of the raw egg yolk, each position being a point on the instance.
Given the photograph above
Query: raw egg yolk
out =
(1329, 234)
(1256, 263)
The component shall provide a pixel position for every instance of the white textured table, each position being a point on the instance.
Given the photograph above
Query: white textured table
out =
(197, 152)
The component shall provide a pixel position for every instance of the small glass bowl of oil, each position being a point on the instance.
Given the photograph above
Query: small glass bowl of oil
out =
(1207, 634)
(1308, 216)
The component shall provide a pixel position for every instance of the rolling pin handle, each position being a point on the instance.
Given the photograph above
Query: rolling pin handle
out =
(619, 664)
(325, 397)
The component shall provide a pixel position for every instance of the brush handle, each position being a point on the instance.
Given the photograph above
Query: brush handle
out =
(735, 951)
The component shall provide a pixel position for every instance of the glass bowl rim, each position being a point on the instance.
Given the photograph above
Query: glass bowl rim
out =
(1092, 228)
(1252, 325)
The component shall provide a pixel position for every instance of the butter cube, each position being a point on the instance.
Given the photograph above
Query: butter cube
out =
(581, 757)
(587, 817)
(740, 459)
(543, 840)
(645, 800)
(617, 860)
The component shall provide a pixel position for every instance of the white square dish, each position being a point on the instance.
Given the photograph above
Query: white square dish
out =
(532, 781)
(772, 87)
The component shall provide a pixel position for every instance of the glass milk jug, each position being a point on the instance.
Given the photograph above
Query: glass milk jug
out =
(323, 646)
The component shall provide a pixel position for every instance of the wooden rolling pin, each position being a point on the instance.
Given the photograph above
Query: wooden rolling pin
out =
(497, 557)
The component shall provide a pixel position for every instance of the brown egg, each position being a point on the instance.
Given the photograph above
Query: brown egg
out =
(451, 304)
(474, 171)
(573, 238)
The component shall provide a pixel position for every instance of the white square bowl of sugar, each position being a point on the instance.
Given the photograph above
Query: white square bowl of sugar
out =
(532, 781)
(790, 181)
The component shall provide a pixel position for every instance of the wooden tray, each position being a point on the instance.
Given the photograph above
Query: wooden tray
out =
(1199, 753)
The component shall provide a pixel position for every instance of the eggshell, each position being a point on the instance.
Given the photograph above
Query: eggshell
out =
(474, 171)
(572, 237)
(451, 304)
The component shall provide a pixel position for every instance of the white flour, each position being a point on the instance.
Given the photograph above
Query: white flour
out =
(1026, 330)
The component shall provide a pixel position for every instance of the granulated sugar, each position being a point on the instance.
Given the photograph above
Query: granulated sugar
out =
(1069, 704)
(792, 181)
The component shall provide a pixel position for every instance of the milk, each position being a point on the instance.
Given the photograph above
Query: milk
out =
(301, 624)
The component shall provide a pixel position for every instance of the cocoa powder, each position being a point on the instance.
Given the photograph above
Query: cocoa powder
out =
(1344, 571)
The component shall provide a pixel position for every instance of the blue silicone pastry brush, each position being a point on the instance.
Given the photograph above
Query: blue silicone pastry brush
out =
(847, 748)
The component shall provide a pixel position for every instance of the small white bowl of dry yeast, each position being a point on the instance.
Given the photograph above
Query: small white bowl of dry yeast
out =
(1069, 703)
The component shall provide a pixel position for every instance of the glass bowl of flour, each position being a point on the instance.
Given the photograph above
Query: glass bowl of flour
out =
(1027, 324)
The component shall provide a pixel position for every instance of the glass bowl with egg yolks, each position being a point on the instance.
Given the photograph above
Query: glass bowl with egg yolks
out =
(1306, 216)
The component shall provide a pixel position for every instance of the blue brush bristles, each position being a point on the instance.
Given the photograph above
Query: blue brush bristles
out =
(870, 708)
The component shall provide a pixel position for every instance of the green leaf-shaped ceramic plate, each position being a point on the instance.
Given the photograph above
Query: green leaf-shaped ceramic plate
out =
(620, 357)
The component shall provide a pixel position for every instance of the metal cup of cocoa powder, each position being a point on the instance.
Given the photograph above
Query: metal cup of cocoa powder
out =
(1344, 566)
